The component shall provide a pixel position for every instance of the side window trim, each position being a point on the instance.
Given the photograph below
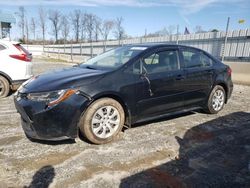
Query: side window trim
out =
(202, 54)
(2, 47)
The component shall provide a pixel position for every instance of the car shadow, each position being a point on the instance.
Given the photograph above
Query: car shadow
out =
(43, 177)
(57, 142)
(212, 154)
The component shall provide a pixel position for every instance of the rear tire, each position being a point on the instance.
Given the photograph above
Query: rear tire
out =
(4, 87)
(216, 100)
(102, 121)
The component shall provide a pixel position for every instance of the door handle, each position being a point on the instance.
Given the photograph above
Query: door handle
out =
(180, 77)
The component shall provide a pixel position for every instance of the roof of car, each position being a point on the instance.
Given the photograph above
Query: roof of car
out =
(7, 41)
(158, 45)
(149, 45)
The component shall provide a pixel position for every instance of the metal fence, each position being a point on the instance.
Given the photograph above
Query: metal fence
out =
(236, 48)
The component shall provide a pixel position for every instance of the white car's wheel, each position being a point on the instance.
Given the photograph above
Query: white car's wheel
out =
(4, 87)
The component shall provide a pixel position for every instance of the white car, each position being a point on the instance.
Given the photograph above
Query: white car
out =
(15, 66)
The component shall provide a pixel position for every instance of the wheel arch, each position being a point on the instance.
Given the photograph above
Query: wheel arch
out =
(222, 84)
(6, 77)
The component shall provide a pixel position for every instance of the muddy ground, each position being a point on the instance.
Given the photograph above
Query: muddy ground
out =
(190, 150)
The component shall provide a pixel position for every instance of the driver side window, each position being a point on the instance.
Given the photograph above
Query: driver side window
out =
(162, 61)
(152, 59)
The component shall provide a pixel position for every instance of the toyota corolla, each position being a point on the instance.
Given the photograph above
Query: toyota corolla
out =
(123, 86)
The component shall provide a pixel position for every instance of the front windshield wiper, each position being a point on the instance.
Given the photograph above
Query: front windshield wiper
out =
(76, 65)
(89, 67)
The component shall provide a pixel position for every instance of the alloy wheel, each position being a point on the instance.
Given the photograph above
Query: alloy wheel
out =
(105, 122)
(218, 100)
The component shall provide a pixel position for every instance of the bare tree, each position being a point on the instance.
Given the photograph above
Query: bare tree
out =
(90, 25)
(198, 29)
(171, 29)
(107, 26)
(33, 27)
(98, 23)
(27, 30)
(54, 17)
(119, 30)
(83, 26)
(162, 32)
(76, 22)
(21, 23)
(42, 21)
(65, 27)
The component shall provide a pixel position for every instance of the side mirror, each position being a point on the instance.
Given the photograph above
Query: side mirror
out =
(76, 65)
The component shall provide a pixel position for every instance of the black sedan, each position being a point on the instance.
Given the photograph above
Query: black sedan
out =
(123, 86)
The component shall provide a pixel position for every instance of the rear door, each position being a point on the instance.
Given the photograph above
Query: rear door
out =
(162, 79)
(198, 75)
(3, 57)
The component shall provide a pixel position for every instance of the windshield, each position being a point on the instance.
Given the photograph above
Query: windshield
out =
(114, 58)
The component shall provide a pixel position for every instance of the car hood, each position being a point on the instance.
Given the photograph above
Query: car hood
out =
(62, 79)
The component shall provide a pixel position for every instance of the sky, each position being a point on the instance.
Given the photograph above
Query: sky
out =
(149, 15)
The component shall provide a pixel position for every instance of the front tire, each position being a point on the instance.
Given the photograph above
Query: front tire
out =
(102, 121)
(4, 87)
(216, 100)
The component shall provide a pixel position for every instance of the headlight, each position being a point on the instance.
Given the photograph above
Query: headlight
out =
(51, 98)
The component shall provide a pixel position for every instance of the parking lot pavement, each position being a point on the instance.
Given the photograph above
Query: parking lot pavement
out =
(190, 150)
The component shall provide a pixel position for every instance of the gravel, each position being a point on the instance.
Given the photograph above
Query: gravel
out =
(189, 150)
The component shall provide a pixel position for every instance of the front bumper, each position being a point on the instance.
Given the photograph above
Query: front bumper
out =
(230, 90)
(51, 123)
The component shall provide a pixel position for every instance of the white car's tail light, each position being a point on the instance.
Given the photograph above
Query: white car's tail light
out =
(24, 54)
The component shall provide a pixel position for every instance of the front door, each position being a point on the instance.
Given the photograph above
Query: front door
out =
(162, 80)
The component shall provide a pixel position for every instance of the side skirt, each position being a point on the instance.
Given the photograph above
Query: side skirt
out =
(168, 114)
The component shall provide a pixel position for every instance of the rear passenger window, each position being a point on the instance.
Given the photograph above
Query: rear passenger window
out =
(206, 61)
(194, 59)
(161, 62)
(2, 47)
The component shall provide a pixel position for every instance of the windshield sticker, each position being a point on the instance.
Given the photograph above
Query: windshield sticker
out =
(138, 48)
